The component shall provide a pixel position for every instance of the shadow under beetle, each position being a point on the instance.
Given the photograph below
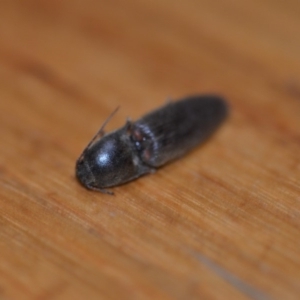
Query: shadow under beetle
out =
(142, 146)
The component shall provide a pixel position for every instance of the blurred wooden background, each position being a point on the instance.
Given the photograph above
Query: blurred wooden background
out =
(221, 223)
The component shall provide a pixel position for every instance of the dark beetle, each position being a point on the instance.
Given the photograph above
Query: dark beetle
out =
(157, 138)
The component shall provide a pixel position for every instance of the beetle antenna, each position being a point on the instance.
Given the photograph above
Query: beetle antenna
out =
(107, 120)
(100, 132)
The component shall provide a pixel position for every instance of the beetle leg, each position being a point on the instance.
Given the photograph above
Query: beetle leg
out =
(104, 191)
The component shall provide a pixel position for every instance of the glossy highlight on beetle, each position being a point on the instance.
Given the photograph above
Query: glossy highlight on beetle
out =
(142, 146)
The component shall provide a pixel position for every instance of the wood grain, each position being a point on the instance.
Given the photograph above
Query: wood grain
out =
(221, 223)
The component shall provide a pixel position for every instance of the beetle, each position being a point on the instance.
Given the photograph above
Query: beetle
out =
(154, 140)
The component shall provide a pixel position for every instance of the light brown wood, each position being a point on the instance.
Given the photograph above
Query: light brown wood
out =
(222, 222)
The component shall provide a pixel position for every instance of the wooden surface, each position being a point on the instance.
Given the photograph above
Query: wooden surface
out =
(221, 223)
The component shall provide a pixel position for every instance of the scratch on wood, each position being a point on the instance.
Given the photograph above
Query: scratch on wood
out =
(240, 285)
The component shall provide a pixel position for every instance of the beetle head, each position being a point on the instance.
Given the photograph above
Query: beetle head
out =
(109, 161)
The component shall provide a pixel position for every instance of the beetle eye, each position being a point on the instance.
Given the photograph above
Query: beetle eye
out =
(84, 173)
